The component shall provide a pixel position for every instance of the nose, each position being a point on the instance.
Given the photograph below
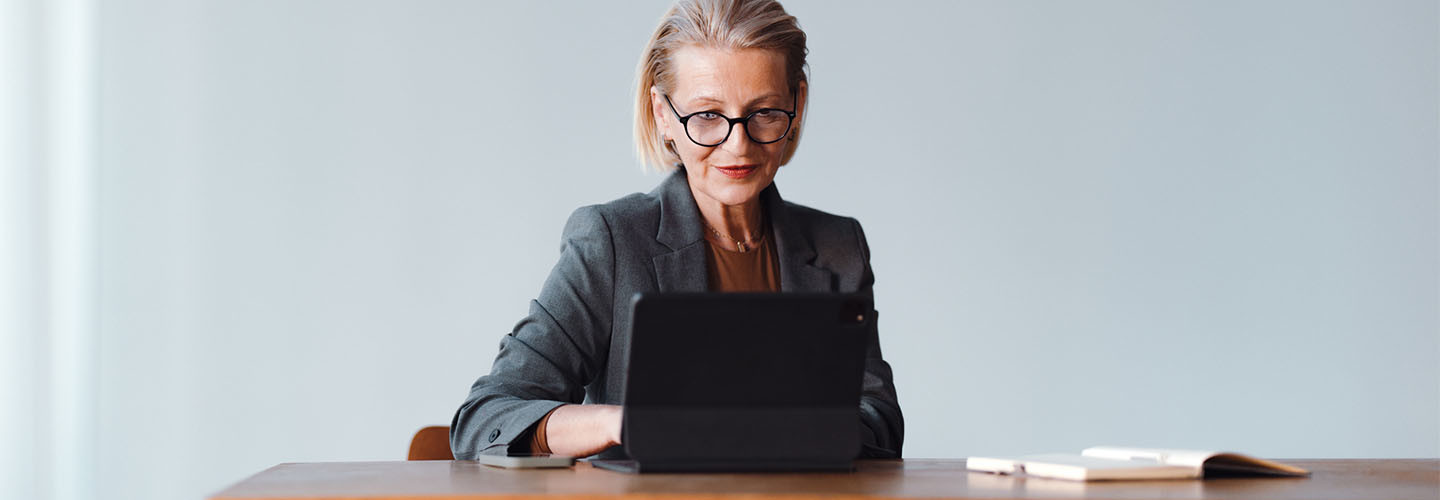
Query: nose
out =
(739, 141)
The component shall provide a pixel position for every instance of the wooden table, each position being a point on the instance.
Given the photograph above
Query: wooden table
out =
(913, 478)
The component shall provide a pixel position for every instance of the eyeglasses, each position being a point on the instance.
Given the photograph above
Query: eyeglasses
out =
(710, 129)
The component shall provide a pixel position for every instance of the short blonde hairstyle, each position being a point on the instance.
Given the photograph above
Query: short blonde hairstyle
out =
(727, 24)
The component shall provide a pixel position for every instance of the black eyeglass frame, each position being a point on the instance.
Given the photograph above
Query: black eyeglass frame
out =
(730, 122)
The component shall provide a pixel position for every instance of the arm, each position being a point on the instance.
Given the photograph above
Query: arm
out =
(547, 360)
(882, 425)
(583, 430)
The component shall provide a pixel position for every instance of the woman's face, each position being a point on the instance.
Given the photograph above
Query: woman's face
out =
(733, 83)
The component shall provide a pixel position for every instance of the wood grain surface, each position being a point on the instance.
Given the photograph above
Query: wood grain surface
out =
(1396, 479)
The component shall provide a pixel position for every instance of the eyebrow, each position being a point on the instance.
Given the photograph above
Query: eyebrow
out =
(697, 100)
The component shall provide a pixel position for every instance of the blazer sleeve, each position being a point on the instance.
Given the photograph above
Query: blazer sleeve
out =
(552, 354)
(882, 425)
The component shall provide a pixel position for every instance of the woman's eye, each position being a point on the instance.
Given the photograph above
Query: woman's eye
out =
(706, 115)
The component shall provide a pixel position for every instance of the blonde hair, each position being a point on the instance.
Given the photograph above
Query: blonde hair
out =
(727, 24)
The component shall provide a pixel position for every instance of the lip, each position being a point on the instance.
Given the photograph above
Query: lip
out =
(738, 171)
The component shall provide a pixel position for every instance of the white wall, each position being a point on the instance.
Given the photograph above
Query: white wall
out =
(48, 300)
(1183, 223)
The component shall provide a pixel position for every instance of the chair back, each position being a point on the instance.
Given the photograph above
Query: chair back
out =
(431, 443)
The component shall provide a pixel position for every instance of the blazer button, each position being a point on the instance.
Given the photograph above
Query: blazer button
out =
(494, 434)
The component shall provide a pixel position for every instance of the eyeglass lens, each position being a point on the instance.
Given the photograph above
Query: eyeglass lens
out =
(764, 126)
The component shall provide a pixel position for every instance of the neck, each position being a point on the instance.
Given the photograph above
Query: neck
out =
(737, 222)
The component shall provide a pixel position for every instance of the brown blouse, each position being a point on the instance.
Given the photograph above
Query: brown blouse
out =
(754, 271)
(728, 271)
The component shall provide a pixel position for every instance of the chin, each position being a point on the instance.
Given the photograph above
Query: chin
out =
(734, 194)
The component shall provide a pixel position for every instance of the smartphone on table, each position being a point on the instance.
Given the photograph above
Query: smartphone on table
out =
(527, 461)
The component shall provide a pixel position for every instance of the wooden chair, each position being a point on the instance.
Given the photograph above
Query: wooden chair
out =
(431, 443)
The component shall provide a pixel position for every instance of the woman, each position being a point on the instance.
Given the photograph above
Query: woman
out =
(721, 97)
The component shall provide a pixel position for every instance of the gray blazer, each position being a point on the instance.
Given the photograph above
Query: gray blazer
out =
(572, 346)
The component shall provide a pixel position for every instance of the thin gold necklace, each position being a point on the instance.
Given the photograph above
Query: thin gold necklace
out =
(741, 245)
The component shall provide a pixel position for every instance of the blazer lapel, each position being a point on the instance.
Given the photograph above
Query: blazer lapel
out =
(798, 272)
(683, 268)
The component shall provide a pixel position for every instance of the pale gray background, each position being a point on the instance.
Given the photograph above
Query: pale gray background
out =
(1175, 223)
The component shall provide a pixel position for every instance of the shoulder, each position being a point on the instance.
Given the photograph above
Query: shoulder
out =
(620, 219)
(634, 207)
(838, 235)
(820, 222)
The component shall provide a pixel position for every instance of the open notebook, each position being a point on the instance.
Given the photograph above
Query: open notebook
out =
(1113, 462)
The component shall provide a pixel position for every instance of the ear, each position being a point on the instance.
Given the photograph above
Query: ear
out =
(658, 108)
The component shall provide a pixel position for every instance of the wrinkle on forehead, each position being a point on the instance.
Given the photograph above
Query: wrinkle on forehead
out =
(731, 77)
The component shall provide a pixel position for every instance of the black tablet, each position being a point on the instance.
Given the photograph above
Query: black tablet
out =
(744, 381)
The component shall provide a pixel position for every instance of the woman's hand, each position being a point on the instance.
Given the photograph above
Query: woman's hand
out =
(583, 430)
